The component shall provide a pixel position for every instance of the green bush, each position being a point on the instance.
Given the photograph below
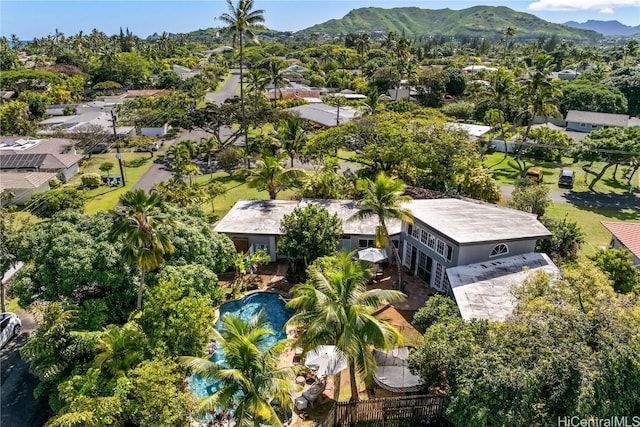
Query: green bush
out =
(91, 180)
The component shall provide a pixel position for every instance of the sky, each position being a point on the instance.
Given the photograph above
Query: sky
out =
(29, 19)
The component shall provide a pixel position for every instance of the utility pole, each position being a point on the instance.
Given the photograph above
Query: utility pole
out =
(117, 141)
(338, 111)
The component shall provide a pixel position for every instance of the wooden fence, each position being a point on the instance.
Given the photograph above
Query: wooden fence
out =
(386, 412)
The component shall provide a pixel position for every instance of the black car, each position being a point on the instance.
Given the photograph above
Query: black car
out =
(99, 148)
(567, 176)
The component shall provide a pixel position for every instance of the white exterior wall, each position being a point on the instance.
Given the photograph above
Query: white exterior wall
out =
(615, 244)
(157, 132)
(22, 195)
(472, 254)
(583, 127)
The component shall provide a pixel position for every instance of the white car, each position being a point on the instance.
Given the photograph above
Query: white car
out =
(10, 326)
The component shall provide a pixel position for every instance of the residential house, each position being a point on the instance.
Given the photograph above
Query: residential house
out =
(447, 233)
(473, 251)
(88, 121)
(185, 73)
(625, 235)
(24, 184)
(327, 115)
(255, 224)
(54, 155)
(297, 68)
(587, 121)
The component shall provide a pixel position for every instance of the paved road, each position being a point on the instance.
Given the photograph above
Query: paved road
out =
(620, 201)
(18, 408)
(227, 91)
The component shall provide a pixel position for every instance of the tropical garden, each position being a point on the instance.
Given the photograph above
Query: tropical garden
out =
(124, 284)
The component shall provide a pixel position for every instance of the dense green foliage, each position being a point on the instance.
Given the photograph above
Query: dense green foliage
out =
(585, 95)
(49, 203)
(618, 265)
(496, 374)
(309, 233)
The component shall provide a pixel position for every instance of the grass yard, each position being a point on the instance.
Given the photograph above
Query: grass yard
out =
(506, 171)
(236, 189)
(105, 197)
(589, 219)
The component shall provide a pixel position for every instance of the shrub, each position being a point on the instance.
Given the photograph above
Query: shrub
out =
(91, 180)
(228, 158)
(54, 183)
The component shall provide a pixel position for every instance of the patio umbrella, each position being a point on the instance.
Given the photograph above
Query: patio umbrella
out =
(326, 360)
(374, 255)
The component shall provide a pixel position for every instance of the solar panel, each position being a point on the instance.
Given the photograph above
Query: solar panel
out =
(22, 161)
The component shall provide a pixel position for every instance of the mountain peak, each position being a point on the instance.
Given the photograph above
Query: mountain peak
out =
(607, 28)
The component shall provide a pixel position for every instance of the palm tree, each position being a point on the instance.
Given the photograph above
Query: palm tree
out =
(242, 20)
(274, 70)
(538, 93)
(138, 222)
(362, 44)
(271, 175)
(119, 349)
(509, 32)
(335, 307)
(383, 199)
(293, 135)
(249, 379)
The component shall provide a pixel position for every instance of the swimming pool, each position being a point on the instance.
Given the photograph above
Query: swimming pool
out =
(247, 308)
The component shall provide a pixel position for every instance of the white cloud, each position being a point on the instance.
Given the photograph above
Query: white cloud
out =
(604, 6)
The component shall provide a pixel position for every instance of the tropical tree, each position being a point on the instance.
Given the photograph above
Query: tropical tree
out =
(249, 381)
(292, 133)
(120, 349)
(336, 308)
(539, 95)
(271, 175)
(241, 21)
(137, 222)
(274, 70)
(383, 199)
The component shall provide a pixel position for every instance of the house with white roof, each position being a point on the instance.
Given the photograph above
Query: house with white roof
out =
(473, 251)
(84, 122)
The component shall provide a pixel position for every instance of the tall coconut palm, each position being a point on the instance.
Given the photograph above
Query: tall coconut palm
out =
(274, 69)
(292, 133)
(249, 379)
(383, 199)
(137, 222)
(336, 308)
(241, 21)
(271, 175)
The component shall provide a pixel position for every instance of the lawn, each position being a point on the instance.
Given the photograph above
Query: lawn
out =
(236, 189)
(506, 171)
(589, 219)
(105, 197)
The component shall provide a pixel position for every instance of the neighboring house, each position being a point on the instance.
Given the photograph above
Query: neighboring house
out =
(255, 224)
(448, 233)
(586, 121)
(625, 235)
(54, 155)
(24, 184)
(472, 69)
(327, 115)
(150, 93)
(475, 131)
(184, 73)
(564, 75)
(155, 131)
(85, 122)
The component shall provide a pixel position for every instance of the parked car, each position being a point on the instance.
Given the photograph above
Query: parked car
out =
(99, 148)
(534, 174)
(146, 148)
(10, 326)
(567, 176)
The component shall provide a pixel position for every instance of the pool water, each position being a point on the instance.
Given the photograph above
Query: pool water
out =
(247, 308)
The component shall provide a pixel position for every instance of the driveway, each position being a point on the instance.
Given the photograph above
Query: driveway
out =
(18, 408)
(227, 91)
(620, 201)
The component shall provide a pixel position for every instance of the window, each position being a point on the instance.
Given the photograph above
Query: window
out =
(583, 125)
(407, 255)
(409, 229)
(425, 264)
(365, 243)
(438, 276)
(432, 241)
(500, 249)
(416, 232)
(440, 247)
(449, 253)
(424, 237)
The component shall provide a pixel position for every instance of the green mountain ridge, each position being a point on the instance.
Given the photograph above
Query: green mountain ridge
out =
(477, 21)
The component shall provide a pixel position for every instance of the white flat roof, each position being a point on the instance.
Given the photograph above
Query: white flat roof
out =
(473, 130)
(346, 210)
(483, 290)
(466, 222)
